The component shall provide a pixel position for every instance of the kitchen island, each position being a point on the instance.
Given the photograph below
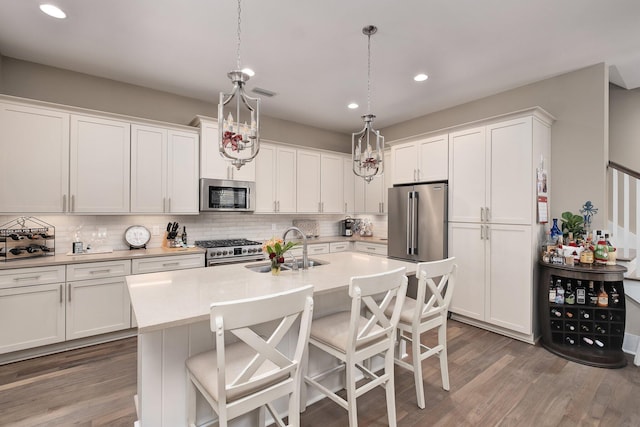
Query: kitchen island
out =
(172, 310)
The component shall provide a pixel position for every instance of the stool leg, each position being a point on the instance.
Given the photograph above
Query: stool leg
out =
(416, 352)
(191, 403)
(444, 365)
(390, 387)
(351, 393)
(636, 360)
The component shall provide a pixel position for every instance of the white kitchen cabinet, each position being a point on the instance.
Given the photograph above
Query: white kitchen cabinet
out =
(425, 160)
(212, 164)
(370, 197)
(97, 298)
(349, 185)
(371, 248)
(339, 247)
(174, 262)
(34, 143)
(312, 249)
(164, 170)
(276, 179)
(494, 282)
(319, 182)
(492, 227)
(99, 165)
(32, 307)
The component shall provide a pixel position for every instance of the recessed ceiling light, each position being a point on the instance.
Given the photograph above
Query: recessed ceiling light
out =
(249, 72)
(421, 77)
(53, 11)
(353, 106)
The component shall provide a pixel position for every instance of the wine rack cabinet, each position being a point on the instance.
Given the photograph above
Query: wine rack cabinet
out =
(583, 333)
(26, 237)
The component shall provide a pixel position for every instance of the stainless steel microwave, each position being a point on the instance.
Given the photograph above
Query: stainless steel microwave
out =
(220, 195)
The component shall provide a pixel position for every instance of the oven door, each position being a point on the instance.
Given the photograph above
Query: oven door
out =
(217, 195)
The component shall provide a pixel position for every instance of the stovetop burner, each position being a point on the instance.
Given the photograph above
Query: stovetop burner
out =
(225, 243)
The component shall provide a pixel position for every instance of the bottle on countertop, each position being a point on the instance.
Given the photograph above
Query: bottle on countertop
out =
(184, 235)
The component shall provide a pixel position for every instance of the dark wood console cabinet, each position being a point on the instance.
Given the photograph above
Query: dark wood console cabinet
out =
(583, 333)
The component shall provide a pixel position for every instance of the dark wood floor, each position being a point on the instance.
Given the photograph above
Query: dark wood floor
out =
(494, 381)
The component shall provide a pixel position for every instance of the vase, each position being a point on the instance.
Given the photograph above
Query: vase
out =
(275, 269)
(555, 230)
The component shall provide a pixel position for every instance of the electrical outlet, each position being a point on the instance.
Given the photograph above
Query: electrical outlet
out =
(156, 230)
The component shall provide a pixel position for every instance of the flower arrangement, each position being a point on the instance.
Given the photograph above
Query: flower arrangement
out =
(276, 250)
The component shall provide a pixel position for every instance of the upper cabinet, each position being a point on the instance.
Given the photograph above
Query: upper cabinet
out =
(34, 143)
(164, 170)
(99, 165)
(319, 182)
(420, 161)
(349, 185)
(275, 179)
(212, 164)
(371, 197)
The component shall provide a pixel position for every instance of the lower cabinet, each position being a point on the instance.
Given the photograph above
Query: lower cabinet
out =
(371, 248)
(339, 246)
(495, 283)
(175, 262)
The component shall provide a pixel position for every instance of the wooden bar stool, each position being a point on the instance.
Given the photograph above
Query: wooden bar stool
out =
(419, 316)
(248, 374)
(353, 338)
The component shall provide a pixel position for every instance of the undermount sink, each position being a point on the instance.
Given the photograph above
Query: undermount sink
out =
(265, 267)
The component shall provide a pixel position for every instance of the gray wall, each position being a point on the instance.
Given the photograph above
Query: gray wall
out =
(624, 124)
(44, 83)
(579, 147)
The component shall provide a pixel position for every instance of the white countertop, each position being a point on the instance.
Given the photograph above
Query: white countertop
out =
(174, 298)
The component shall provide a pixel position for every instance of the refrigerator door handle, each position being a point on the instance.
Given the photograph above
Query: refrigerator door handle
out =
(409, 223)
(414, 224)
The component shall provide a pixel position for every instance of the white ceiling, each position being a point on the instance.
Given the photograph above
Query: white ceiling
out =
(313, 53)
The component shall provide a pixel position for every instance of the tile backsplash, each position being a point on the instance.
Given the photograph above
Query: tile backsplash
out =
(108, 230)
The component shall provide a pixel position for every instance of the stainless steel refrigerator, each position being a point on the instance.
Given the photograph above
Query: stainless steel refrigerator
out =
(417, 222)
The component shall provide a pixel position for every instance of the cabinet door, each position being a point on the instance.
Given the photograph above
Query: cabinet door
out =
(99, 165)
(467, 175)
(349, 185)
(182, 173)
(510, 291)
(32, 316)
(388, 181)
(286, 179)
(97, 306)
(308, 181)
(405, 162)
(511, 194)
(212, 164)
(148, 166)
(34, 143)
(374, 195)
(331, 183)
(433, 159)
(467, 244)
(266, 179)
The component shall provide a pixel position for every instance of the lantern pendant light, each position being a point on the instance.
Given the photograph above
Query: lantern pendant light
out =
(367, 145)
(238, 117)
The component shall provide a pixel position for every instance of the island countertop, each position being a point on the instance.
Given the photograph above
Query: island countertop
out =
(175, 298)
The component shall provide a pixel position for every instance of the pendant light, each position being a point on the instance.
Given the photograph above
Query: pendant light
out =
(238, 117)
(367, 145)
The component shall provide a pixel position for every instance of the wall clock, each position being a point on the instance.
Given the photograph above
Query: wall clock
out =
(137, 236)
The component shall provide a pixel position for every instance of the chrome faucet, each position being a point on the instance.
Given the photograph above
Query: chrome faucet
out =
(305, 255)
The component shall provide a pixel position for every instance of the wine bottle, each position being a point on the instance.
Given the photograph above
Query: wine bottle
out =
(571, 326)
(599, 343)
(584, 314)
(559, 292)
(552, 292)
(570, 340)
(599, 329)
(587, 340)
(603, 297)
(614, 296)
(581, 293)
(591, 294)
(585, 328)
(569, 295)
(556, 312)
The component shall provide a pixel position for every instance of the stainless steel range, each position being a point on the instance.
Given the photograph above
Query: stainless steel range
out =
(231, 250)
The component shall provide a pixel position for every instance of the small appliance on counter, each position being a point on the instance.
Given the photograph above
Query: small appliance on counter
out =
(347, 226)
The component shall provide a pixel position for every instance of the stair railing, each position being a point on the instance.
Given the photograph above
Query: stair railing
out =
(628, 178)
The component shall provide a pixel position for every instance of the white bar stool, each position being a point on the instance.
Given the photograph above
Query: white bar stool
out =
(248, 374)
(353, 339)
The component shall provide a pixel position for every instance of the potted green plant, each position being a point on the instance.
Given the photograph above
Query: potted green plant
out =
(572, 223)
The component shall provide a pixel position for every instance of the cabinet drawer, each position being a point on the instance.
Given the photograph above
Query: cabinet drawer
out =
(31, 276)
(339, 246)
(98, 270)
(371, 248)
(316, 249)
(167, 263)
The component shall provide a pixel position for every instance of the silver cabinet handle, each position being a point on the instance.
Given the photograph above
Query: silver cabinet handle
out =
(486, 232)
(72, 208)
(169, 204)
(319, 206)
(61, 285)
(275, 209)
(322, 204)
(278, 206)
(17, 279)
(486, 215)
(100, 271)
(482, 232)
(64, 203)
(69, 293)
(345, 207)
(481, 214)
(170, 264)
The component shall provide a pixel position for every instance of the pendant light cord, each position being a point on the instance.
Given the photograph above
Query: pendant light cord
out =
(369, 74)
(238, 47)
